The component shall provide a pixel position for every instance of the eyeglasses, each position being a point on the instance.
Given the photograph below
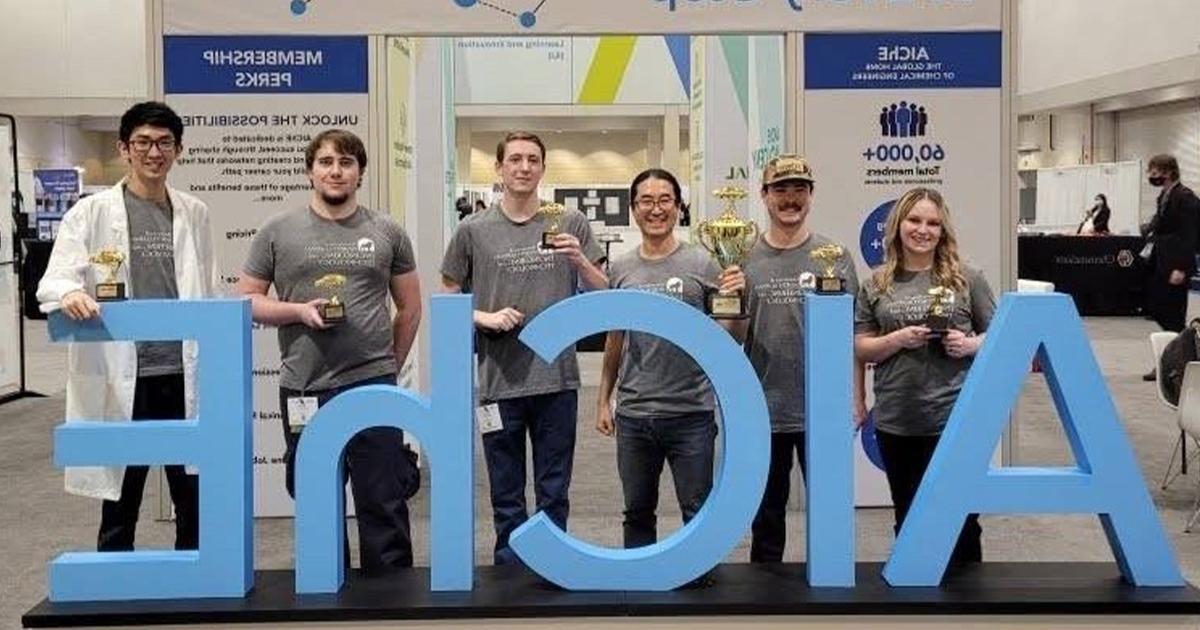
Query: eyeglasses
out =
(648, 203)
(142, 145)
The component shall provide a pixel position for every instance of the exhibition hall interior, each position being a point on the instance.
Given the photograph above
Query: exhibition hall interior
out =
(1048, 149)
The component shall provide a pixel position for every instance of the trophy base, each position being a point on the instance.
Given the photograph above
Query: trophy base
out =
(938, 326)
(333, 314)
(725, 305)
(830, 286)
(110, 292)
(548, 240)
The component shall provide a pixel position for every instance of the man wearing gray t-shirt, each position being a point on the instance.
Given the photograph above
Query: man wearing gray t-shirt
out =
(498, 257)
(780, 272)
(664, 402)
(336, 266)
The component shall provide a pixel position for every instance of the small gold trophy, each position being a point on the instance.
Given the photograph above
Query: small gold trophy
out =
(729, 239)
(829, 283)
(553, 212)
(333, 312)
(941, 307)
(109, 290)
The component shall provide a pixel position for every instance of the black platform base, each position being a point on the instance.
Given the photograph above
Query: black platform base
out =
(989, 589)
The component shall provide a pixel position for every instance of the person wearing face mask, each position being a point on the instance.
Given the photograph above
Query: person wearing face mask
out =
(664, 403)
(1171, 238)
(1096, 219)
(918, 372)
(779, 271)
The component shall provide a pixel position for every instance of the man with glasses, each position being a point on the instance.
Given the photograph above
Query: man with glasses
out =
(498, 256)
(780, 271)
(664, 403)
(164, 237)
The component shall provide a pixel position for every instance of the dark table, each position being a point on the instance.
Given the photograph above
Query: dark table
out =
(1103, 274)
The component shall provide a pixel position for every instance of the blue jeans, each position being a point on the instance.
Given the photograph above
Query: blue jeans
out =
(383, 475)
(643, 445)
(549, 420)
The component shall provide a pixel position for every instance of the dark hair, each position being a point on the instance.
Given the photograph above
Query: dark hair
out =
(343, 142)
(154, 114)
(480, 204)
(655, 173)
(1103, 199)
(1165, 163)
(513, 136)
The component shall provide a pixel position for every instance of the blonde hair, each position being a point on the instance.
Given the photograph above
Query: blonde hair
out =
(947, 268)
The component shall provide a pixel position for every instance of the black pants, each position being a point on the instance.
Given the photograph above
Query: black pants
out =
(1167, 303)
(383, 475)
(769, 531)
(154, 398)
(905, 458)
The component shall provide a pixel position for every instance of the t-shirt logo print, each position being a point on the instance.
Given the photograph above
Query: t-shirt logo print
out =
(675, 288)
(366, 246)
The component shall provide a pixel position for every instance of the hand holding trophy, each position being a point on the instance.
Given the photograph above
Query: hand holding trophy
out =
(829, 283)
(109, 290)
(728, 238)
(941, 307)
(553, 213)
(332, 312)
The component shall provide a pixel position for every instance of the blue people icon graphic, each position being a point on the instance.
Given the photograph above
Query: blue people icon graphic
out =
(870, 237)
(907, 119)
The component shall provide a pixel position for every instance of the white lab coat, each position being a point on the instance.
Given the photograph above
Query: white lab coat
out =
(101, 376)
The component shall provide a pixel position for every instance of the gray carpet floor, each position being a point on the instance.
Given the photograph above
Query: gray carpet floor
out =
(39, 520)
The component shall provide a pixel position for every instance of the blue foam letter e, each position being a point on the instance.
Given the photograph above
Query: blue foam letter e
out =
(1106, 480)
(444, 428)
(717, 527)
(218, 442)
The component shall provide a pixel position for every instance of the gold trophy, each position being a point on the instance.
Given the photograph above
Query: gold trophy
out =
(553, 213)
(829, 283)
(334, 311)
(941, 307)
(728, 238)
(109, 290)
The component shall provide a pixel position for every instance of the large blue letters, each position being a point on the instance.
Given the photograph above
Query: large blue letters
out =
(1106, 480)
(218, 442)
(717, 527)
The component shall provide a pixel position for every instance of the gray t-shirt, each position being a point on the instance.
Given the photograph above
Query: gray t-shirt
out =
(500, 263)
(152, 276)
(657, 379)
(915, 389)
(294, 249)
(775, 336)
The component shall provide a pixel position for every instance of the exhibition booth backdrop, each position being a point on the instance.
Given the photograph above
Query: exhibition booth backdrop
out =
(880, 97)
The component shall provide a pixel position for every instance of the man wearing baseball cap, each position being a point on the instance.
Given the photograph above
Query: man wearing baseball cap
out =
(779, 272)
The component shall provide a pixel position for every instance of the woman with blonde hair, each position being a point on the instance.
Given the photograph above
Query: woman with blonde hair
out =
(920, 319)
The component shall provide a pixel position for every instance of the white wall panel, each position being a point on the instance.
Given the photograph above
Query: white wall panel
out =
(1172, 128)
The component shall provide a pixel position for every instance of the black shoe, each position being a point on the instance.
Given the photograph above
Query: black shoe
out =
(1150, 376)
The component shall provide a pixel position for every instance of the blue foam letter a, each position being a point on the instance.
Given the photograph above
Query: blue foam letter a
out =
(1106, 480)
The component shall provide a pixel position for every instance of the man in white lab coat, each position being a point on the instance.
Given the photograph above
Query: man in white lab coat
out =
(165, 239)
